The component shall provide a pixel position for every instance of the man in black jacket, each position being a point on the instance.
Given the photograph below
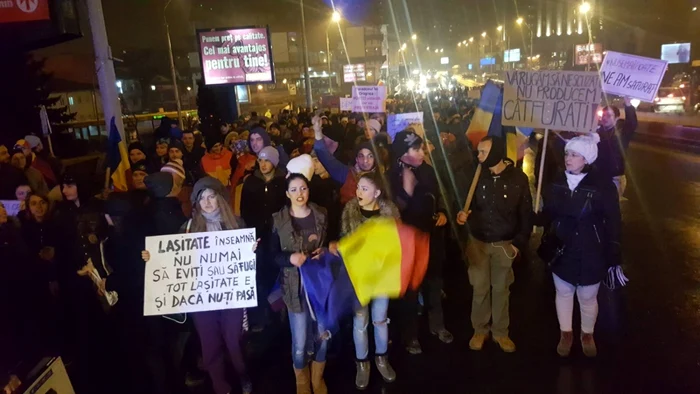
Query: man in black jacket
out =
(615, 136)
(500, 224)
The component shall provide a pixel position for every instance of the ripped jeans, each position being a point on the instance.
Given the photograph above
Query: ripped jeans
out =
(379, 307)
(306, 338)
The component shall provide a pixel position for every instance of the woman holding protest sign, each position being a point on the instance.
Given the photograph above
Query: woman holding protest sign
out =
(299, 231)
(221, 330)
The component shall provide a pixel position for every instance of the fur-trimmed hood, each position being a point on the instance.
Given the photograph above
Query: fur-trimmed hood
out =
(352, 215)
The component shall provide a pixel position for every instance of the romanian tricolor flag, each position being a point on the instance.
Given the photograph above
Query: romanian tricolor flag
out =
(487, 116)
(118, 158)
(382, 258)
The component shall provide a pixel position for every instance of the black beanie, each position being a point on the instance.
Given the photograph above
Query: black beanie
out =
(136, 145)
(160, 184)
(140, 166)
(177, 144)
(404, 140)
(212, 139)
(497, 153)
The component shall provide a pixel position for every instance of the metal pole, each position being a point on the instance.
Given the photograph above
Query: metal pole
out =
(328, 59)
(307, 79)
(104, 66)
(172, 68)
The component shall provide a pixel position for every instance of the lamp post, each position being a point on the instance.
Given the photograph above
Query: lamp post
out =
(172, 66)
(520, 21)
(335, 18)
(307, 78)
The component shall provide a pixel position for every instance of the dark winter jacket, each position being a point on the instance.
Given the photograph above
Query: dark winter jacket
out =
(166, 215)
(420, 209)
(588, 222)
(352, 215)
(284, 242)
(75, 225)
(613, 144)
(259, 201)
(36, 236)
(502, 207)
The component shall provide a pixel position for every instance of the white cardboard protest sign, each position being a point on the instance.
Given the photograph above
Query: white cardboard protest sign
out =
(369, 99)
(557, 100)
(633, 76)
(399, 122)
(198, 272)
(11, 206)
(345, 104)
(53, 378)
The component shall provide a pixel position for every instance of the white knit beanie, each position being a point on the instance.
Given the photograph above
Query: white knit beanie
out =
(303, 165)
(585, 145)
(174, 167)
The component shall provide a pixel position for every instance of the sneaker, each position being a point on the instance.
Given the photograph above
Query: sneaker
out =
(477, 341)
(413, 347)
(443, 335)
(505, 343)
(565, 341)
(588, 345)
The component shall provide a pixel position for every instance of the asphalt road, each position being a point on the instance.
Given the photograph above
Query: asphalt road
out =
(657, 350)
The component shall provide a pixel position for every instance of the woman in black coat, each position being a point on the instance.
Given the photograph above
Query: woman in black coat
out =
(582, 220)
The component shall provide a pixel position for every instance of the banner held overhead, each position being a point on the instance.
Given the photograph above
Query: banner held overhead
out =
(630, 75)
(557, 100)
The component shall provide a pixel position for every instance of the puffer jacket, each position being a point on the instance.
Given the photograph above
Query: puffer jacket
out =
(284, 242)
(588, 222)
(352, 215)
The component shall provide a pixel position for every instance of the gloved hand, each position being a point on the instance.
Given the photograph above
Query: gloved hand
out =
(615, 277)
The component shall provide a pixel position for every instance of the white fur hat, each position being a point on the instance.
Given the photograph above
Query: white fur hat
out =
(303, 165)
(585, 145)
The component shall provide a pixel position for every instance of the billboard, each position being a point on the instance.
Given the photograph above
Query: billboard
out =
(588, 54)
(236, 56)
(512, 55)
(444, 60)
(353, 72)
(676, 53)
(487, 61)
(24, 11)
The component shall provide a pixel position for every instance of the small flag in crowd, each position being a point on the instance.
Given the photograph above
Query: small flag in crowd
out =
(117, 158)
(382, 258)
(481, 124)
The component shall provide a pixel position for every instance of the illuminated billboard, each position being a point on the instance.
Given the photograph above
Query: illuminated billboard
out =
(487, 61)
(353, 73)
(676, 53)
(236, 56)
(588, 54)
(512, 55)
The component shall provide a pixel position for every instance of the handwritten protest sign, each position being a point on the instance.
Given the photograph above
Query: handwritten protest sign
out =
(11, 206)
(345, 104)
(558, 100)
(399, 122)
(369, 99)
(630, 75)
(198, 272)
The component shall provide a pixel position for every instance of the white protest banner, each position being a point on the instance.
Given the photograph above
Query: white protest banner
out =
(369, 99)
(51, 377)
(557, 100)
(630, 75)
(345, 104)
(11, 206)
(198, 272)
(399, 122)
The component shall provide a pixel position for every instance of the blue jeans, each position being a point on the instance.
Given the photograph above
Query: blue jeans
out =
(380, 306)
(306, 338)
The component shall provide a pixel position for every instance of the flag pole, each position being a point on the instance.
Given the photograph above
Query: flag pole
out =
(472, 189)
(541, 173)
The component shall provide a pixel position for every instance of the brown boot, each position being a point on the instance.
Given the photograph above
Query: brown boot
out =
(317, 381)
(566, 340)
(303, 380)
(588, 345)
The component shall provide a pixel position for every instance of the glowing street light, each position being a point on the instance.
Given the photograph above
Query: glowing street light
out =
(459, 44)
(483, 34)
(471, 39)
(427, 48)
(260, 87)
(335, 17)
(153, 87)
(520, 21)
(499, 28)
(437, 50)
(464, 42)
(441, 50)
(414, 37)
(403, 46)
(189, 88)
(284, 81)
(584, 7)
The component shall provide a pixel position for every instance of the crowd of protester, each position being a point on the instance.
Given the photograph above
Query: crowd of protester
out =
(302, 180)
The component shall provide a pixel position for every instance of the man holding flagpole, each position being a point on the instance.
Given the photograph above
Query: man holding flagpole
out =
(500, 224)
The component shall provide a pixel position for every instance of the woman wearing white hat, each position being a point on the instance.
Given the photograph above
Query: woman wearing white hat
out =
(582, 238)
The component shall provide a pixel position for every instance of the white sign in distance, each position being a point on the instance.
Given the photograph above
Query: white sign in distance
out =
(399, 122)
(345, 104)
(556, 100)
(198, 272)
(631, 75)
(369, 99)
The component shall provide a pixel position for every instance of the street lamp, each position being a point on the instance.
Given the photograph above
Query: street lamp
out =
(483, 34)
(520, 21)
(499, 28)
(459, 44)
(471, 39)
(153, 87)
(403, 46)
(414, 37)
(189, 88)
(584, 8)
(284, 81)
(335, 17)
(260, 87)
